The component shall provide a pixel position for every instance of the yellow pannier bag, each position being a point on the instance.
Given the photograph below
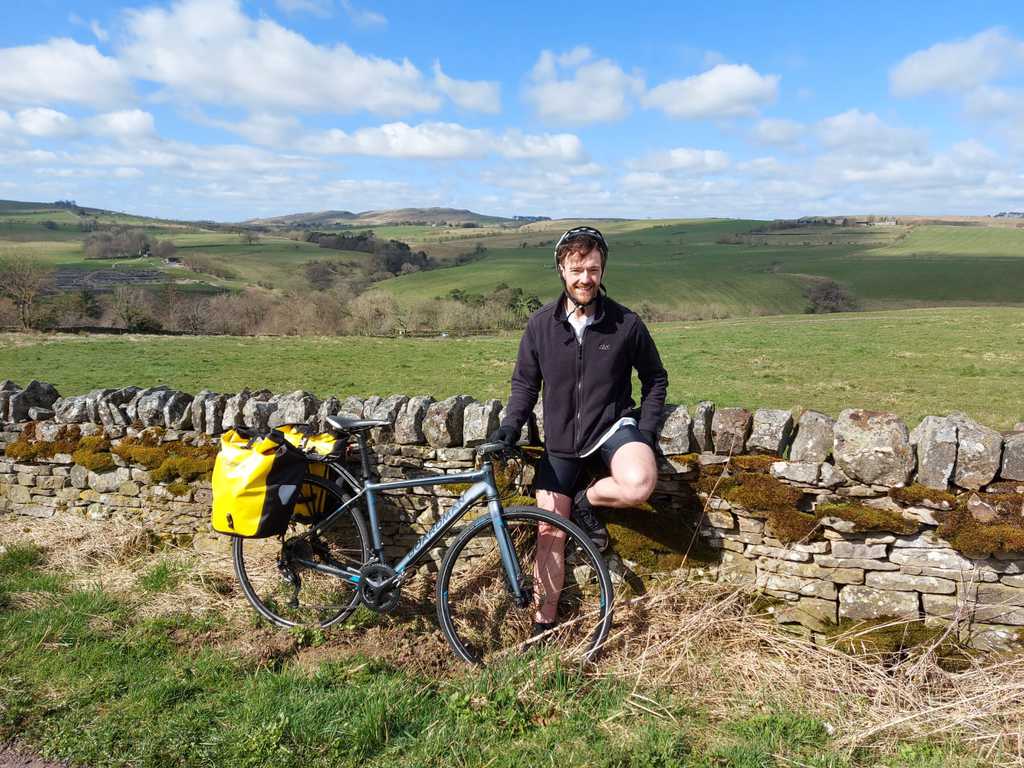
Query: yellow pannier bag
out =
(255, 484)
(312, 500)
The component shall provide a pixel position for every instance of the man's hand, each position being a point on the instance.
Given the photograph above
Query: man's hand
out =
(506, 435)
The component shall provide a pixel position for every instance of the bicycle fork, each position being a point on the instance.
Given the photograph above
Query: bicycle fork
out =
(509, 559)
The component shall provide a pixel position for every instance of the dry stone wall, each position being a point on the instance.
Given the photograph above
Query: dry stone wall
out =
(851, 518)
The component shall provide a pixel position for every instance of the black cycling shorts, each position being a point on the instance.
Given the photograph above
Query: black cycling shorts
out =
(562, 475)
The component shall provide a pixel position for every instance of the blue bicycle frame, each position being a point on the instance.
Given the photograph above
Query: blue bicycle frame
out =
(482, 484)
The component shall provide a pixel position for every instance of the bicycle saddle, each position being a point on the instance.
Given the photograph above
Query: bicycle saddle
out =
(348, 424)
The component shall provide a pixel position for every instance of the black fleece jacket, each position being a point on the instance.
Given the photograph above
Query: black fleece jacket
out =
(587, 386)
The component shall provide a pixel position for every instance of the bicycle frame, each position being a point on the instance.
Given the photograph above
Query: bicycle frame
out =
(482, 484)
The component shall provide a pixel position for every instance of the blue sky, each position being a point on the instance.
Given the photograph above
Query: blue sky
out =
(227, 110)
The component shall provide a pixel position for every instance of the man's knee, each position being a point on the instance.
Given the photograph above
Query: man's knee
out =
(637, 484)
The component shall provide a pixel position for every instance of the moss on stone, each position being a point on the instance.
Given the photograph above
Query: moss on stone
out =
(167, 461)
(754, 463)
(28, 448)
(685, 458)
(976, 539)
(93, 453)
(178, 488)
(762, 492)
(655, 541)
(22, 450)
(715, 483)
(869, 519)
(791, 525)
(916, 493)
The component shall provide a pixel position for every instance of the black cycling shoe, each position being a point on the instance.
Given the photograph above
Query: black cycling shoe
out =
(585, 516)
(540, 627)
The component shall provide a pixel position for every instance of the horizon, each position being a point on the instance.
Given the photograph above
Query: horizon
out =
(227, 111)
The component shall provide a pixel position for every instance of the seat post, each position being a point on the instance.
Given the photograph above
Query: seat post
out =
(364, 457)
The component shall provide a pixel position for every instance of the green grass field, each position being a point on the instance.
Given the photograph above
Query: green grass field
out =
(912, 362)
(682, 268)
(144, 659)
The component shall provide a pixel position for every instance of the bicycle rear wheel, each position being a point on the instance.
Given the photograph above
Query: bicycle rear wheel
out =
(289, 593)
(479, 613)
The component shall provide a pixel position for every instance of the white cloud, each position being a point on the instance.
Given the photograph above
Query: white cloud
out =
(127, 172)
(479, 95)
(778, 131)
(125, 125)
(565, 147)
(321, 8)
(728, 90)
(684, 159)
(956, 66)
(763, 167)
(988, 101)
(436, 141)
(97, 29)
(443, 141)
(219, 55)
(263, 128)
(44, 123)
(363, 18)
(864, 132)
(61, 70)
(595, 91)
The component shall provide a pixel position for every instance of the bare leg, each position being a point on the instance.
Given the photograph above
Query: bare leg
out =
(634, 473)
(549, 568)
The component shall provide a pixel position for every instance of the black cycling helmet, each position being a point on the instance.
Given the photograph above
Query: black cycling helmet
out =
(572, 234)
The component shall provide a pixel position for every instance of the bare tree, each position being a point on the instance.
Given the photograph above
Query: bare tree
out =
(131, 308)
(249, 237)
(23, 280)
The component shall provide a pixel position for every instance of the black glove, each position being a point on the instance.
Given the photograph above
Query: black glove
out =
(650, 437)
(506, 435)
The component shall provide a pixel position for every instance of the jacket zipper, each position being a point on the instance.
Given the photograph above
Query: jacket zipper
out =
(579, 389)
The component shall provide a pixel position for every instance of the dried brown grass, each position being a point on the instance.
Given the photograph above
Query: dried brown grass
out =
(708, 643)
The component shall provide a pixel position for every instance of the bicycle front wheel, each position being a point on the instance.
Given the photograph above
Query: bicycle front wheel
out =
(276, 575)
(563, 579)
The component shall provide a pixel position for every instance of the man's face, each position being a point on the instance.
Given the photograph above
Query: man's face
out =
(582, 275)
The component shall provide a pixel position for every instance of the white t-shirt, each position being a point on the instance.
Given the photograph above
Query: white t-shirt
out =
(579, 324)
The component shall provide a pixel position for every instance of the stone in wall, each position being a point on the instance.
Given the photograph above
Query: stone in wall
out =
(538, 415)
(36, 394)
(387, 409)
(178, 411)
(113, 407)
(935, 441)
(859, 603)
(978, 454)
(198, 408)
(674, 432)
(352, 407)
(329, 407)
(7, 388)
(771, 431)
(442, 425)
(873, 447)
(92, 401)
(234, 410)
(814, 437)
(213, 413)
(148, 406)
(804, 472)
(479, 420)
(409, 421)
(729, 429)
(703, 415)
(298, 407)
(1013, 457)
(72, 410)
(257, 410)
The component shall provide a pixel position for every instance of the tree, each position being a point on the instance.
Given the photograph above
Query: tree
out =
(23, 281)
(248, 237)
(131, 308)
(164, 249)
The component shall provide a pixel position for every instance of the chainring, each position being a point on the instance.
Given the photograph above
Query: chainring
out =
(377, 588)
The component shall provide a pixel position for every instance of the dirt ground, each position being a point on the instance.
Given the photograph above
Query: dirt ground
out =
(11, 756)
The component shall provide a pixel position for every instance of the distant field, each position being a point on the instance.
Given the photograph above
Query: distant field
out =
(683, 268)
(913, 362)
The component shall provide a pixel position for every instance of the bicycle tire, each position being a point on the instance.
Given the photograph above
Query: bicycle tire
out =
(263, 567)
(478, 612)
